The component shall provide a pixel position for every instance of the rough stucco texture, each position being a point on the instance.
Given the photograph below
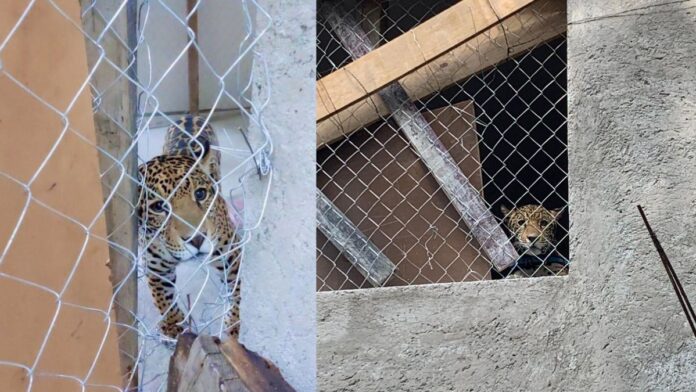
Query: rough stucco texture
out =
(279, 302)
(614, 324)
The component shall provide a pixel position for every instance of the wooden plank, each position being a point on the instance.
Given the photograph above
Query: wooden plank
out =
(412, 50)
(463, 195)
(43, 225)
(257, 373)
(208, 370)
(193, 74)
(114, 122)
(528, 28)
(178, 360)
(204, 364)
(352, 243)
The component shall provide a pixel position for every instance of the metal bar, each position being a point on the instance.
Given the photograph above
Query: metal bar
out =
(193, 84)
(673, 278)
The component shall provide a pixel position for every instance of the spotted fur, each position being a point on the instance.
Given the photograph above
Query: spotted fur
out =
(183, 215)
(533, 230)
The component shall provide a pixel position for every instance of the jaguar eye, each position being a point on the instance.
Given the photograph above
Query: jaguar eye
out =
(520, 222)
(544, 223)
(157, 206)
(200, 194)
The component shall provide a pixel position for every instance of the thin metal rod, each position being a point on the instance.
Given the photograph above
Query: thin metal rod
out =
(676, 284)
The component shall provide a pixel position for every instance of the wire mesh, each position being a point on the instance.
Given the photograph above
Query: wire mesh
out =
(135, 76)
(497, 106)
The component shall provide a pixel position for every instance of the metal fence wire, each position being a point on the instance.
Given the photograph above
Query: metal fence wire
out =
(131, 59)
(491, 110)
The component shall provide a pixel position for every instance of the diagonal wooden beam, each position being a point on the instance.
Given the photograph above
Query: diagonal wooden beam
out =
(420, 46)
(464, 196)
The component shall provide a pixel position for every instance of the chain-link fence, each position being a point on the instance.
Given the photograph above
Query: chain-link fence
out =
(459, 171)
(93, 90)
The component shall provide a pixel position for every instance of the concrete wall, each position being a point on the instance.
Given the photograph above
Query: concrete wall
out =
(614, 324)
(279, 271)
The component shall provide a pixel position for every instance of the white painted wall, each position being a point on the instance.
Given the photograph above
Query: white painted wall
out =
(279, 317)
(163, 62)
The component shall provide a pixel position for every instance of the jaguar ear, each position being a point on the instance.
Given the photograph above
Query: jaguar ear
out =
(206, 156)
(556, 212)
(504, 209)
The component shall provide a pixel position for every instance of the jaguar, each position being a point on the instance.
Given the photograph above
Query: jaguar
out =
(533, 230)
(183, 215)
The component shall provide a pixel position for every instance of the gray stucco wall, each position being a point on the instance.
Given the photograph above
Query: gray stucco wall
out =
(614, 324)
(278, 310)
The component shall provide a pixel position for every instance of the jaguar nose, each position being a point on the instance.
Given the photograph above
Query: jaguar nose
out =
(197, 241)
(532, 238)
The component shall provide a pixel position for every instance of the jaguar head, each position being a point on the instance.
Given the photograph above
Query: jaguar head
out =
(177, 204)
(533, 228)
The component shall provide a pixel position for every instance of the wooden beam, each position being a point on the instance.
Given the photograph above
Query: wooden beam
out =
(464, 196)
(178, 360)
(541, 21)
(412, 50)
(354, 245)
(193, 75)
(114, 121)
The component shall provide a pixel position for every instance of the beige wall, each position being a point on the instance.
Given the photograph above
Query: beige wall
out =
(61, 263)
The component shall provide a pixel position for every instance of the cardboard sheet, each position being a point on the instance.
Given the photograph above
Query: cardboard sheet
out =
(63, 265)
(379, 182)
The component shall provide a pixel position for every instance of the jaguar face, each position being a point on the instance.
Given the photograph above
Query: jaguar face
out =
(533, 228)
(177, 204)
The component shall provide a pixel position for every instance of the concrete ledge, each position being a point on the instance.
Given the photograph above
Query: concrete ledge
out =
(443, 336)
